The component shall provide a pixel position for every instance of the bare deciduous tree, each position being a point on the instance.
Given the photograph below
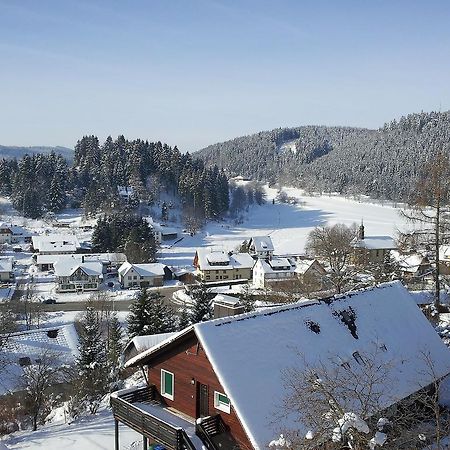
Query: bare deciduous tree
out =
(37, 380)
(430, 208)
(343, 405)
(333, 244)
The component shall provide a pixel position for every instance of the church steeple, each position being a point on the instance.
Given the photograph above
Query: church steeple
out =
(361, 231)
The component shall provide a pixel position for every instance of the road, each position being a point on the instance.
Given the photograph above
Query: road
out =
(120, 305)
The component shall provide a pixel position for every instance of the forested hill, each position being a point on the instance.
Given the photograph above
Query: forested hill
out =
(10, 152)
(382, 163)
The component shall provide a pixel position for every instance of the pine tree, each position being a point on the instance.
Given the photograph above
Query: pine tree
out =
(246, 299)
(56, 195)
(164, 212)
(92, 360)
(149, 315)
(115, 345)
(183, 319)
(202, 307)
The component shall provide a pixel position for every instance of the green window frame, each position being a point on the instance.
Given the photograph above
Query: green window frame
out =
(222, 402)
(167, 384)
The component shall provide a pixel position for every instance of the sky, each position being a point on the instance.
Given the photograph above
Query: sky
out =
(194, 72)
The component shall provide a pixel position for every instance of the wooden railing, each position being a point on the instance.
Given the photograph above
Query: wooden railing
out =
(208, 428)
(174, 438)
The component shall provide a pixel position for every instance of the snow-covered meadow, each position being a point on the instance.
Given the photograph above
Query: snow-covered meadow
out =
(287, 224)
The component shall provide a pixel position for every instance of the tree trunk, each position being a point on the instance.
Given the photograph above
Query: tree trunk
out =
(437, 292)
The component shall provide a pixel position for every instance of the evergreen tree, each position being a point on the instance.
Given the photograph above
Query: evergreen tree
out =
(246, 299)
(202, 308)
(57, 195)
(115, 345)
(183, 319)
(92, 360)
(149, 315)
(164, 212)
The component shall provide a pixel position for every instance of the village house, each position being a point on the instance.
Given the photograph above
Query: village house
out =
(110, 261)
(74, 276)
(444, 259)
(56, 244)
(412, 266)
(163, 233)
(218, 383)
(216, 265)
(5, 234)
(6, 269)
(126, 193)
(371, 249)
(271, 271)
(141, 275)
(260, 247)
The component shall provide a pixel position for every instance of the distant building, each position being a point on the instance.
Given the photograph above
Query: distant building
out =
(371, 249)
(6, 269)
(163, 233)
(125, 192)
(5, 234)
(270, 271)
(217, 265)
(412, 265)
(141, 275)
(260, 247)
(444, 259)
(73, 276)
(108, 260)
(56, 244)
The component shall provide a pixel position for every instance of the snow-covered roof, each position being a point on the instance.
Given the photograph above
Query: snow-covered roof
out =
(276, 265)
(226, 299)
(5, 228)
(163, 229)
(271, 340)
(376, 243)
(52, 243)
(144, 270)
(303, 265)
(66, 267)
(104, 258)
(32, 344)
(262, 243)
(212, 259)
(252, 376)
(125, 191)
(409, 263)
(6, 264)
(140, 344)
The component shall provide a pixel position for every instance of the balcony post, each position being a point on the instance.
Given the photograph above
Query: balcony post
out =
(144, 447)
(116, 434)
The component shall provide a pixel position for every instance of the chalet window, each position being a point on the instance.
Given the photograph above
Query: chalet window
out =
(167, 384)
(221, 402)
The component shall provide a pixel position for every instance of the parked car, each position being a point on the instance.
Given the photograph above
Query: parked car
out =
(49, 301)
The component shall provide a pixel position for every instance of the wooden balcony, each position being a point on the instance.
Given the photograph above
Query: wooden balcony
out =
(140, 410)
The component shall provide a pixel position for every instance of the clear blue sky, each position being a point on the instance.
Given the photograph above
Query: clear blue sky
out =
(195, 72)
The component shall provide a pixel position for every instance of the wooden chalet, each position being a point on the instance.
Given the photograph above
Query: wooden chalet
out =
(217, 384)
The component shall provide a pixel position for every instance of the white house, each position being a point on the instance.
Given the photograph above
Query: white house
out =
(272, 270)
(74, 276)
(5, 234)
(217, 265)
(108, 260)
(141, 275)
(56, 244)
(125, 192)
(6, 269)
(261, 247)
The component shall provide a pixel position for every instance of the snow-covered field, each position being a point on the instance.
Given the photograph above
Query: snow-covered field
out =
(89, 433)
(287, 224)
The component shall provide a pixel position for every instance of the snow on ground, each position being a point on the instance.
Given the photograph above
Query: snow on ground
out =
(89, 433)
(287, 224)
